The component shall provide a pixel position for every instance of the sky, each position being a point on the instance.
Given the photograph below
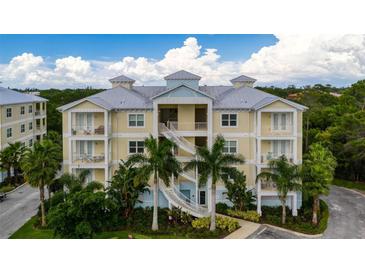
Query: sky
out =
(70, 61)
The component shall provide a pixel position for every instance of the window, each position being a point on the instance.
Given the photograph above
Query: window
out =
(9, 132)
(30, 142)
(280, 121)
(229, 120)
(136, 147)
(44, 121)
(136, 120)
(22, 110)
(230, 147)
(202, 197)
(8, 112)
(30, 125)
(30, 109)
(22, 128)
(281, 147)
(43, 106)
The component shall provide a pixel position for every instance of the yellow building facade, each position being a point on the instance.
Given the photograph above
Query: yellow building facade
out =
(101, 130)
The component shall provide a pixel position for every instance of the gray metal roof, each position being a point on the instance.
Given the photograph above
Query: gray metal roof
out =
(224, 97)
(182, 75)
(121, 78)
(243, 78)
(9, 97)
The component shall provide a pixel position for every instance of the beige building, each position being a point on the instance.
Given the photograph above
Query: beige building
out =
(22, 118)
(101, 129)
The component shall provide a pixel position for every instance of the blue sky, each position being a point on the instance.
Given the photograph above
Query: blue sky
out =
(70, 61)
(112, 47)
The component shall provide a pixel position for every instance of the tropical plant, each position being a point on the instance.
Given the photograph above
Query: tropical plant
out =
(40, 165)
(318, 169)
(287, 178)
(6, 161)
(237, 192)
(10, 158)
(158, 162)
(72, 182)
(124, 190)
(214, 165)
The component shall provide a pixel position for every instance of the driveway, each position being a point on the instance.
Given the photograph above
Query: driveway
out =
(18, 208)
(347, 218)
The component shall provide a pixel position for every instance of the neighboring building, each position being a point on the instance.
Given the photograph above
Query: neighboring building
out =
(22, 119)
(101, 129)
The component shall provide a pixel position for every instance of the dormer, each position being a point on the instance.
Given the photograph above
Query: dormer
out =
(122, 81)
(243, 81)
(182, 77)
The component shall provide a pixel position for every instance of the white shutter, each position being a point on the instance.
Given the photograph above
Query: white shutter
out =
(283, 121)
(275, 148)
(89, 120)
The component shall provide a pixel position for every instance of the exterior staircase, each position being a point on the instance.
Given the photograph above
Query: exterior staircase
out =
(179, 200)
(172, 193)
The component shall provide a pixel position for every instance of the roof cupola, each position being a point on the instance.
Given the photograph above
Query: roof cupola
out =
(243, 81)
(122, 81)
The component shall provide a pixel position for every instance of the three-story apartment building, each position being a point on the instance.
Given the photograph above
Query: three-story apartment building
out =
(22, 119)
(101, 129)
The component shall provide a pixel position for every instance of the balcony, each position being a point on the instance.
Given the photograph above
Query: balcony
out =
(86, 130)
(181, 126)
(88, 158)
(38, 112)
(268, 186)
(267, 157)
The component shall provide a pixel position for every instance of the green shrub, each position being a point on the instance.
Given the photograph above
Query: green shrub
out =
(223, 223)
(221, 208)
(249, 215)
(6, 188)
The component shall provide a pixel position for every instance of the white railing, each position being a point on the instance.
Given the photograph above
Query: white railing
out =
(87, 130)
(265, 158)
(281, 132)
(268, 185)
(88, 158)
(182, 126)
(39, 112)
(170, 133)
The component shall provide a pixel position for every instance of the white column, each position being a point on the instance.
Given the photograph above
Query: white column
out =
(210, 144)
(258, 129)
(294, 204)
(258, 156)
(258, 190)
(155, 119)
(196, 183)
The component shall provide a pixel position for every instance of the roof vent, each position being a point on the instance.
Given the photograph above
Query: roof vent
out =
(122, 81)
(243, 81)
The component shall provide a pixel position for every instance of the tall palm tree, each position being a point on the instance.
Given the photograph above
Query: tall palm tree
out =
(216, 165)
(16, 152)
(287, 178)
(6, 161)
(159, 162)
(40, 165)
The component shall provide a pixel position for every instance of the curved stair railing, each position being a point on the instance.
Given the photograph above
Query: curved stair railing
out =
(171, 134)
(177, 199)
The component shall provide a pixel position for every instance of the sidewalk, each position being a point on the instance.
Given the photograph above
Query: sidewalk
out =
(245, 230)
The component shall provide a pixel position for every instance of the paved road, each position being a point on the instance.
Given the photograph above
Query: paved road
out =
(18, 208)
(347, 218)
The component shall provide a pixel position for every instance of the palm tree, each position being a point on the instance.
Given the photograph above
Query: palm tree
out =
(40, 165)
(16, 152)
(72, 182)
(124, 189)
(286, 176)
(318, 169)
(6, 161)
(216, 165)
(159, 162)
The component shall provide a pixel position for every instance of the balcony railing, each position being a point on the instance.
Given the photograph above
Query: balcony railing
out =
(39, 112)
(265, 158)
(88, 158)
(185, 126)
(279, 132)
(85, 130)
(268, 185)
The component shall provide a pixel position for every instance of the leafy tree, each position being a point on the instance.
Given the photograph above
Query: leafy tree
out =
(83, 213)
(125, 190)
(10, 158)
(216, 165)
(286, 176)
(237, 192)
(319, 167)
(6, 161)
(40, 165)
(159, 162)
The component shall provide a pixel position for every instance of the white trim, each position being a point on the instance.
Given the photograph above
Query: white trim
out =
(235, 134)
(20, 121)
(183, 100)
(292, 104)
(229, 119)
(182, 85)
(237, 146)
(136, 113)
(135, 140)
(86, 110)
(141, 135)
(278, 110)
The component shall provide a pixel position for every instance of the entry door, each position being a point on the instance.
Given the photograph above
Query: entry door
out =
(186, 193)
(202, 197)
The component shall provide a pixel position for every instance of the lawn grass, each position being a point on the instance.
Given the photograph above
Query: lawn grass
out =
(349, 184)
(28, 231)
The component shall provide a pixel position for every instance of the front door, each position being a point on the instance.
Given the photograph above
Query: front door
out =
(202, 197)
(186, 193)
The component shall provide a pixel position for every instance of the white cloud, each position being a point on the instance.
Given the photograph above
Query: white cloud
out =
(294, 59)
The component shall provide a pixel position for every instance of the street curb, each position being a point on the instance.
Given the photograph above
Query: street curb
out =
(15, 189)
(309, 236)
(352, 190)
